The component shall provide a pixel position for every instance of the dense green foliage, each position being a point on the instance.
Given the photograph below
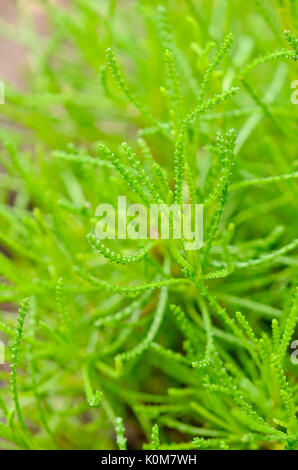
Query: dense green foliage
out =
(150, 345)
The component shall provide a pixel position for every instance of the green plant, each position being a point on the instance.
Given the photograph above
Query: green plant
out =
(133, 343)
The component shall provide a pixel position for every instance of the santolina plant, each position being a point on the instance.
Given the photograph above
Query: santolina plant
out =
(128, 343)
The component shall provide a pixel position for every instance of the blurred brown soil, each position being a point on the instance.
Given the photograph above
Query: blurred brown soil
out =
(12, 53)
